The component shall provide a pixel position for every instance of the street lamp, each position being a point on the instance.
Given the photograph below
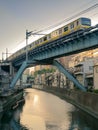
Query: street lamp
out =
(28, 34)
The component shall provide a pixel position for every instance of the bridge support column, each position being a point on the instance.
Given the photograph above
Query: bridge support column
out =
(18, 74)
(68, 75)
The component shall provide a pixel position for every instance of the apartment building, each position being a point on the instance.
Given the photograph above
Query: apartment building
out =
(83, 72)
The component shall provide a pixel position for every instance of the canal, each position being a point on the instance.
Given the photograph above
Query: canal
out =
(44, 111)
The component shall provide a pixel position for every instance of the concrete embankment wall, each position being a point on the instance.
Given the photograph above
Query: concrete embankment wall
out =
(86, 101)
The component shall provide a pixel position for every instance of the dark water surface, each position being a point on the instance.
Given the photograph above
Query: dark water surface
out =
(44, 111)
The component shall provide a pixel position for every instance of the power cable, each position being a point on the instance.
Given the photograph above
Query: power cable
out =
(21, 41)
(70, 18)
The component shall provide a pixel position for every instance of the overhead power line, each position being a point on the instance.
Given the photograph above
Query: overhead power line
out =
(67, 19)
(72, 17)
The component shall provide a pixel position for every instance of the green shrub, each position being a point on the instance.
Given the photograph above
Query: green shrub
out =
(95, 91)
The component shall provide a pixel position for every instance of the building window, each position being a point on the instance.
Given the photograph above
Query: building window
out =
(90, 67)
(96, 69)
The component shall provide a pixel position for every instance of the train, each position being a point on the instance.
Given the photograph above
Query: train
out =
(74, 26)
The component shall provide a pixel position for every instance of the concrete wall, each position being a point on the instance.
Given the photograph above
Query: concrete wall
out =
(84, 100)
(96, 77)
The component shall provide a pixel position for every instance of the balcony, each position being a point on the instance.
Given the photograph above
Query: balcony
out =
(78, 70)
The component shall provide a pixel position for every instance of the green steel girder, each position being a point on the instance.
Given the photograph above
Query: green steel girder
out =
(68, 75)
(24, 65)
(18, 74)
(62, 47)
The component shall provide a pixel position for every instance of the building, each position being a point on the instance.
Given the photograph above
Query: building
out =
(40, 67)
(83, 72)
(82, 66)
(96, 76)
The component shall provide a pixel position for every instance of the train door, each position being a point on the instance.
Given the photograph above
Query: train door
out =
(72, 25)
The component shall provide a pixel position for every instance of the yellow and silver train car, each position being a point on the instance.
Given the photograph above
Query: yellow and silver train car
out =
(74, 26)
(79, 24)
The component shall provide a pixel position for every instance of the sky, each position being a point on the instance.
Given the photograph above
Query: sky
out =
(18, 15)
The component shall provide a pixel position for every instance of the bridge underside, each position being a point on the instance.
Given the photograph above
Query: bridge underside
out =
(64, 46)
(56, 63)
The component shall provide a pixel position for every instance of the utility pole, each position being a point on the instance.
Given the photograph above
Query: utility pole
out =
(28, 34)
(5, 55)
(26, 45)
(2, 56)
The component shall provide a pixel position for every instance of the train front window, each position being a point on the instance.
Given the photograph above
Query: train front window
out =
(86, 21)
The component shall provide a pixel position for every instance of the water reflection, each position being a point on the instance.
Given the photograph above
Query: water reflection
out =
(35, 99)
(44, 111)
(11, 119)
(33, 122)
(83, 121)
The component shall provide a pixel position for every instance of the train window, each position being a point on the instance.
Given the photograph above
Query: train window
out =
(30, 45)
(56, 32)
(25, 48)
(86, 21)
(72, 26)
(36, 42)
(49, 36)
(65, 29)
(40, 40)
(45, 38)
(33, 44)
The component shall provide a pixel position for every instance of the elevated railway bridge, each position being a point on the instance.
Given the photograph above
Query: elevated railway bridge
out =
(64, 46)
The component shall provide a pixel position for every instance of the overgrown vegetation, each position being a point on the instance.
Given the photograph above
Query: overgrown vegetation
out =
(43, 71)
(95, 91)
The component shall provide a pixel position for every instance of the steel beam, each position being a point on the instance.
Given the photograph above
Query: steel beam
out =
(18, 74)
(24, 65)
(63, 46)
(68, 75)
